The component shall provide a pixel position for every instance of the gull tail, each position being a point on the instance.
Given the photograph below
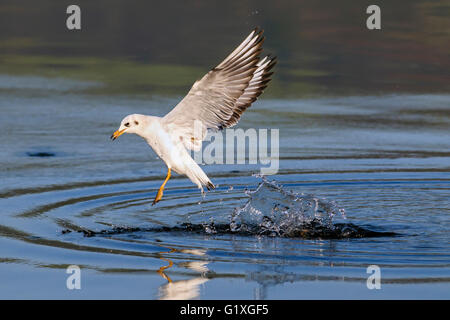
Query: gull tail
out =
(197, 176)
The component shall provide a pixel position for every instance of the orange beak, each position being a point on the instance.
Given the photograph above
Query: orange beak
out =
(117, 134)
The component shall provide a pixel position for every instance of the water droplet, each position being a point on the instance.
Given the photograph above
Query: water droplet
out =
(271, 210)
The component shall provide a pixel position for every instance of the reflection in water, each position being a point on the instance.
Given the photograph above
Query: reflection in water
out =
(161, 270)
(183, 289)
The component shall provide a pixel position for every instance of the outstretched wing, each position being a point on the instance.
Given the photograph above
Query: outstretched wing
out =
(218, 100)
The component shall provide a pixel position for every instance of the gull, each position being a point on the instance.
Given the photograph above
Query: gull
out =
(215, 102)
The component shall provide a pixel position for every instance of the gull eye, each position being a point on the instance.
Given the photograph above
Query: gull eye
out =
(127, 124)
(136, 123)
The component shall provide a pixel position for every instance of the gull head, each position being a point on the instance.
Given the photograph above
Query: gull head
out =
(133, 123)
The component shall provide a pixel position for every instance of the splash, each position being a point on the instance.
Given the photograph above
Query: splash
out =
(272, 210)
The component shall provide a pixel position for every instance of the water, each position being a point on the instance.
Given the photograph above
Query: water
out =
(364, 179)
(365, 183)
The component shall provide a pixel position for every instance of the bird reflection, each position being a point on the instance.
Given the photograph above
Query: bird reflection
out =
(183, 289)
(161, 270)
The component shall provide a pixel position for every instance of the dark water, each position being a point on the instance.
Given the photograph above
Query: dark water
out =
(364, 177)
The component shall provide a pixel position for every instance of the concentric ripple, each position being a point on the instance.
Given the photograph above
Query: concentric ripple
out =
(269, 223)
(90, 204)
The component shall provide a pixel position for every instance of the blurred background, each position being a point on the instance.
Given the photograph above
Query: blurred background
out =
(152, 47)
(363, 117)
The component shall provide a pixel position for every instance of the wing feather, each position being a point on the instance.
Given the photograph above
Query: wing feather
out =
(218, 100)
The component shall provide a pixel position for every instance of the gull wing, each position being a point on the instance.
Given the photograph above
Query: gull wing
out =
(218, 100)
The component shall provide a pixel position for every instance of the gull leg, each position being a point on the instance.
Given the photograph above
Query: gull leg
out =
(161, 189)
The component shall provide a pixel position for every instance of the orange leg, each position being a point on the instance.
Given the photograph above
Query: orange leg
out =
(161, 189)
